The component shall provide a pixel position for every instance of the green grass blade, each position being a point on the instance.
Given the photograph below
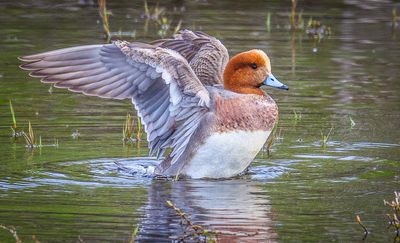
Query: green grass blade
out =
(134, 234)
(13, 116)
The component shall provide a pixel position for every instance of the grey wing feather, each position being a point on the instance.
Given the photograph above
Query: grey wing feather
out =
(170, 99)
(206, 55)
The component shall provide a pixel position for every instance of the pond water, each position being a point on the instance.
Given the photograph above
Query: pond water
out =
(347, 81)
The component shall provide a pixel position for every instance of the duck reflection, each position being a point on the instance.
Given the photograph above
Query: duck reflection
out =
(239, 209)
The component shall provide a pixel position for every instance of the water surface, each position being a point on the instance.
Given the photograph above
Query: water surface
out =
(302, 191)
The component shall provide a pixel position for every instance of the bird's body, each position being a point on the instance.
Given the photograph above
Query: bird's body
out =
(229, 136)
(211, 112)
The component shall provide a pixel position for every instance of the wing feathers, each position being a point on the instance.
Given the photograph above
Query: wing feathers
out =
(170, 99)
(58, 53)
(206, 55)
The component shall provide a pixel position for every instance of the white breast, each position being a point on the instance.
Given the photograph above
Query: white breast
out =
(225, 154)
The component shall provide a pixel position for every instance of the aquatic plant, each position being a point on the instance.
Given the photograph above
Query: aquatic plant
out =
(394, 18)
(193, 232)
(317, 30)
(35, 239)
(296, 19)
(166, 26)
(55, 142)
(274, 137)
(296, 115)
(14, 125)
(14, 132)
(314, 28)
(127, 130)
(154, 13)
(269, 144)
(358, 220)
(30, 138)
(103, 13)
(177, 27)
(76, 134)
(12, 231)
(352, 122)
(134, 234)
(325, 137)
(139, 129)
(268, 21)
(394, 216)
(32, 141)
(157, 15)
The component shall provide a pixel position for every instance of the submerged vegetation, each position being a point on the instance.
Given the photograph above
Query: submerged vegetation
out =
(128, 130)
(135, 232)
(30, 138)
(314, 28)
(394, 18)
(296, 115)
(14, 125)
(139, 129)
(358, 220)
(76, 134)
(12, 231)
(153, 13)
(14, 133)
(157, 16)
(108, 34)
(295, 18)
(268, 21)
(103, 13)
(352, 122)
(193, 232)
(274, 137)
(325, 137)
(394, 215)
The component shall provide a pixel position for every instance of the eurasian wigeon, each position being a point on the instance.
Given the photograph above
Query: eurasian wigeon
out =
(210, 110)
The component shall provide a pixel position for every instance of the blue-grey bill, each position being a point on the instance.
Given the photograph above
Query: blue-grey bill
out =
(274, 82)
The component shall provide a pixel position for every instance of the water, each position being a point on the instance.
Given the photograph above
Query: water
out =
(301, 192)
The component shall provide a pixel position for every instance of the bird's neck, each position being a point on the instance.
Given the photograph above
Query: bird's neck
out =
(243, 90)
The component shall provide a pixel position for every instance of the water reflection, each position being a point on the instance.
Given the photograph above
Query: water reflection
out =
(315, 191)
(238, 208)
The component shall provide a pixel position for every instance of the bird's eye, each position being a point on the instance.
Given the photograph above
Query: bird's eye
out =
(253, 66)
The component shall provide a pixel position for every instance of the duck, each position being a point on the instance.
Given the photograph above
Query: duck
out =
(207, 109)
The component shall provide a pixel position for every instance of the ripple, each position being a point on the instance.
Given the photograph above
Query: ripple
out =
(272, 170)
(107, 172)
(267, 172)
(7, 185)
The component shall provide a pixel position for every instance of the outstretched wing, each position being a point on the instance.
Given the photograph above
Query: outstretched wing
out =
(206, 55)
(169, 97)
